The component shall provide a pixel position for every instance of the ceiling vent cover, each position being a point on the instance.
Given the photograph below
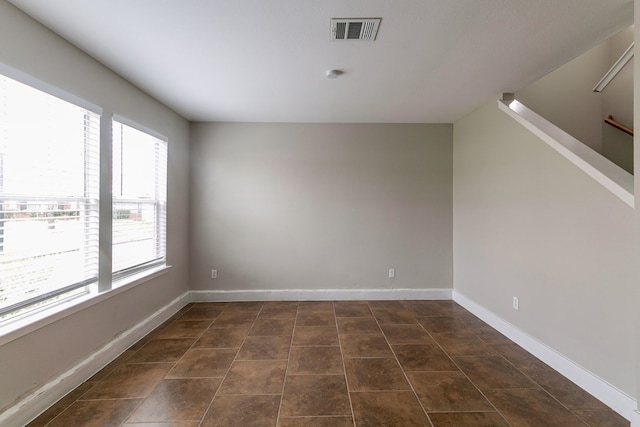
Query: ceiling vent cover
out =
(364, 29)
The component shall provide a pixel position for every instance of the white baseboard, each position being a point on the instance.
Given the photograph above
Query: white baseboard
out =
(321, 295)
(41, 399)
(611, 396)
(635, 419)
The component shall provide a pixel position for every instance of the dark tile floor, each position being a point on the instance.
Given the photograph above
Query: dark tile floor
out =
(375, 363)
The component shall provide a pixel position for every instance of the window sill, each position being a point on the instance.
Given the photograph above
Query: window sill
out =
(30, 322)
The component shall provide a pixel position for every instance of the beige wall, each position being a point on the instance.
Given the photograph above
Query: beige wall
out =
(317, 206)
(528, 223)
(617, 98)
(32, 360)
(617, 101)
(565, 96)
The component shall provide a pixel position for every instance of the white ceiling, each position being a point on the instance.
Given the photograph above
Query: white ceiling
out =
(265, 60)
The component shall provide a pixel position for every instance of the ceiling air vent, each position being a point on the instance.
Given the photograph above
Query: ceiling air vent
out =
(354, 28)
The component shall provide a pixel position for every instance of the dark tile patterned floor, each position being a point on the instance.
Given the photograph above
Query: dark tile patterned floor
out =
(286, 364)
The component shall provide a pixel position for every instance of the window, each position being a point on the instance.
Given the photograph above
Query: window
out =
(139, 200)
(50, 188)
(49, 171)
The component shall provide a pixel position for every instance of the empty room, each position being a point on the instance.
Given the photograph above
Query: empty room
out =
(296, 213)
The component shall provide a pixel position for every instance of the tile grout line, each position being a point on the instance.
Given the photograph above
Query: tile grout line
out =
(173, 320)
(543, 389)
(476, 330)
(464, 373)
(204, 414)
(344, 367)
(192, 305)
(286, 369)
(525, 375)
(404, 374)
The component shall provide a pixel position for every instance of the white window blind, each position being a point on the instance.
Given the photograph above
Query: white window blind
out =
(139, 200)
(49, 171)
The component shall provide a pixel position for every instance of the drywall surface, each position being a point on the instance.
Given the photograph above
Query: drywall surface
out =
(34, 359)
(528, 223)
(565, 96)
(617, 97)
(617, 146)
(617, 101)
(320, 206)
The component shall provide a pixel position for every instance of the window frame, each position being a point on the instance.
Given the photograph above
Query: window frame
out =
(107, 286)
(118, 276)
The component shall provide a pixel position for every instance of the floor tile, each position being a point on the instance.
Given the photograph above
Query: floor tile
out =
(340, 421)
(246, 306)
(365, 346)
(129, 381)
(311, 306)
(602, 418)
(315, 395)
(458, 345)
(279, 310)
(467, 419)
(235, 319)
(278, 314)
(118, 361)
(315, 318)
(352, 309)
(373, 374)
(167, 424)
(61, 405)
(280, 305)
(520, 358)
(272, 327)
(254, 377)
(491, 336)
(388, 409)
(202, 313)
(264, 348)
(445, 325)
(203, 362)
(177, 400)
(184, 329)
(531, 407)
(95, 413)
(427, 308)
(358, 325)
(386, 305)
(492, 372)
(447, 391)
(242, 411)
(315, 360)
(142, 341)
(314, 336)
(221, 338)
(569, 394)
(423, 357)
(162, 350)
(311, 354)
(218, 304)
(405, 334)
(393, 317)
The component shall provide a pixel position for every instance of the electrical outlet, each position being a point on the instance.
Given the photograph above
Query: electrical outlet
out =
(516, 303)
(214, 274)
(392, 273)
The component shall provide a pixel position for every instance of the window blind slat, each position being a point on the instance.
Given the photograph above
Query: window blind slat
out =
(49, 171)
(139, 199)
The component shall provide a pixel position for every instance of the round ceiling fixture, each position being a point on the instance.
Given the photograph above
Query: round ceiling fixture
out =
(333, 74)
